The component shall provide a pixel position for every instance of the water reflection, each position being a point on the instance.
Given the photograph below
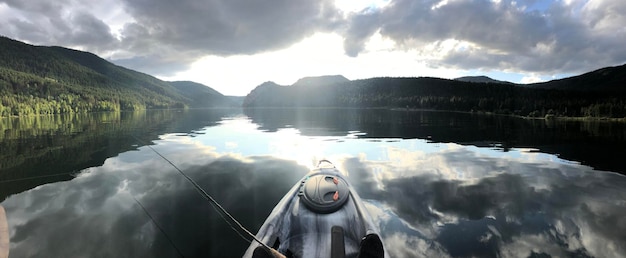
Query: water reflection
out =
(43, 149)
(450, 200)
(595, 143)
(429, 198)
(466, 204)
(95, 213)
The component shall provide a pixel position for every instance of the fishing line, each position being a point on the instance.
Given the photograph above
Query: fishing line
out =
(159, 227)
(216, 206)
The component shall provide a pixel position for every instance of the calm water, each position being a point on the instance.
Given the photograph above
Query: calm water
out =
(438, 184)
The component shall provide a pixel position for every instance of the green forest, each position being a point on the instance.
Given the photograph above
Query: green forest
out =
(27, 94)
(444, 94)
(38, 80)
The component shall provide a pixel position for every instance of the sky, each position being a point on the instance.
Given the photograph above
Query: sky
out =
(235, 45)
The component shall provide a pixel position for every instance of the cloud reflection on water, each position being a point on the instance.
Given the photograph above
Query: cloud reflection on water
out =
(95, 214)
(446, 201)
(472, 204)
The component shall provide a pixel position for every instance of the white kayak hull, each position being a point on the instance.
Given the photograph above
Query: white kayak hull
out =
(297, 230)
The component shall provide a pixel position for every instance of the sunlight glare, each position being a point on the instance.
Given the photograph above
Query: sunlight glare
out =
(293, 146)
(317, 55)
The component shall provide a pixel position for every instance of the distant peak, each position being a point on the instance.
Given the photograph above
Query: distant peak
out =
(268, 84)
(480, 79)
(321, 80)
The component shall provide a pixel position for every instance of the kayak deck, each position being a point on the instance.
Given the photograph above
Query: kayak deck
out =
(307, 222)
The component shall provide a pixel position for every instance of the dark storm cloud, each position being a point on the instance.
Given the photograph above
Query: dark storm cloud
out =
(505, 35)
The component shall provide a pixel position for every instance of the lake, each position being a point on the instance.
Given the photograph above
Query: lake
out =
(438, 184)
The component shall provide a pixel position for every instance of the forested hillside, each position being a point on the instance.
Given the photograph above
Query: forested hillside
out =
(54, 80)
(200, 95)
(443, 94)
(608, 79)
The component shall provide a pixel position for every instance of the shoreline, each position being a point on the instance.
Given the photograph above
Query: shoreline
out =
(117, 111)
(546, 117)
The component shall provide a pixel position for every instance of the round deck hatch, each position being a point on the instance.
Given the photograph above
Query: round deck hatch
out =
(324, 193)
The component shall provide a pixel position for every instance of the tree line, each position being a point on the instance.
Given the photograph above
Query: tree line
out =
(55, 80)
(443, 94)
(28, 94)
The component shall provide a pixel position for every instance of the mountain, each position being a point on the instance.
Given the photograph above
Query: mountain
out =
(307, 91)
(608, 79)
(201, 95)
(49, 80)
(263, 95)
(444, 94)
(320, 81)
(236, 100)
(480, 79)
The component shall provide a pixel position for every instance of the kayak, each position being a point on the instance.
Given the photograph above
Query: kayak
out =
(321, 216)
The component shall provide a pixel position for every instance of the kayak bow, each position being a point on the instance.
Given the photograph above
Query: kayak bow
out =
(321, 216)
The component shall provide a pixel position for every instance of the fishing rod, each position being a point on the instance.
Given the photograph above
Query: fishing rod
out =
(224, 214)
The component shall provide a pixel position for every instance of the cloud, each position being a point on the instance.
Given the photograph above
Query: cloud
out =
(67, 23)
(501, 35)
(165, 64)
(162, 36)
(230, 27)
(197, 28)
(530, 79)
(360, 29)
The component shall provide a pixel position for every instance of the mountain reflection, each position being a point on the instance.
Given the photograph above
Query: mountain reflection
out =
(599, 144)
(95, 213)
(454, 201)
(43, 149)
